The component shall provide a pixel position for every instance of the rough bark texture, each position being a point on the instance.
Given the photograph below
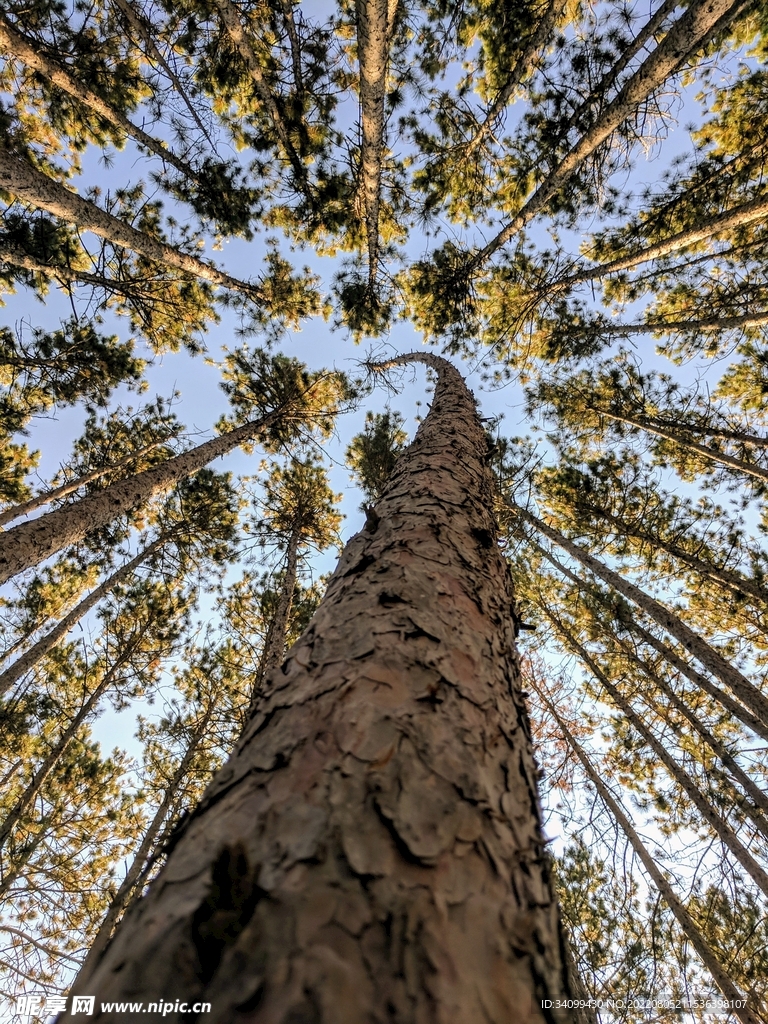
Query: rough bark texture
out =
(24, 181)
(684, 919)
(372, 851)
(700, 22)
(30, 543)
(746, 691)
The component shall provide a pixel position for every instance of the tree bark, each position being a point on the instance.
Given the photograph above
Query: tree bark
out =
(729, 220)
(372, 851)
(274, 647)
(46, 643)
(700, 22)
(375, 21)
(747, 692)
(46, 497)
(22, 48)
(719, 826)
(29, 544)
(684, 919)
(21, 179)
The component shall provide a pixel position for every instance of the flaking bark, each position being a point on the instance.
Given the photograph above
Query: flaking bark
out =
(372, 851)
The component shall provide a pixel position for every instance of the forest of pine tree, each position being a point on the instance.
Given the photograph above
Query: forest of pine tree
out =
(333, 691)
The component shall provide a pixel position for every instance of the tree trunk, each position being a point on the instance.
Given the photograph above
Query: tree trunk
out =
(691, 446)
(21, 179)
(46, 643)
(732, 581)
(30, 543)
(375, 21)
(372, 851)
(135, 871)
(722, 323)
(631, 624)
(747, 692)
(654, 25)
(719, 826)
(729, 220)
(758, 796)
(46, 497)
(274, 645)
(22, 48)
(684, 919)
(701, 21)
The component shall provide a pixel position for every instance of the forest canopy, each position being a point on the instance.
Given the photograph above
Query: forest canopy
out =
(206, 205)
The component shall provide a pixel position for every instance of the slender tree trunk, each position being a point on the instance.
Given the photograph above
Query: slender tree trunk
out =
(46, 497)
(522, 67)
(373, 849)
(375, 21)
(22, 48)
(21, 179)
(722, 323)
(654, 25)
(274, 644)
(758, 797)
(684, 919)
(135, 871)
(691, 446)
(701, 21)
(719, 826)
(30, 543)
(231, 19)
(628, 622)
(729, 220)
(56, 752)
(295, 44)
(746, 692)
(46, 643)
(733, 581)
